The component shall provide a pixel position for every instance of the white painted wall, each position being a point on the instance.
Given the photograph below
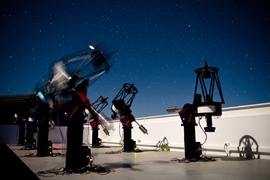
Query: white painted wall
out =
(251, 122)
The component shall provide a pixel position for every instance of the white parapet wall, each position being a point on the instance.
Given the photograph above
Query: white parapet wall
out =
(242, 128)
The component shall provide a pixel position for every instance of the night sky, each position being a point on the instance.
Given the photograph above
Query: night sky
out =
(157, 45)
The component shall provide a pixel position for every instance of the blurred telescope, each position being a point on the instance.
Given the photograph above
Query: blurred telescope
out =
(121, 108)
(94, 114)
(85, 65)
(88, 64)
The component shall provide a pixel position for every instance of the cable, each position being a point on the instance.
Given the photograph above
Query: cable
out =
(201, 159)
(96, 167)
(116, 152)
(28, 154)
(88, 134)
(121, 142)
(51, 173)
(180, 160)
(203, 131)
(162, 145)
(90, 167)
(121, 136)
(226, 149)
(198, 157)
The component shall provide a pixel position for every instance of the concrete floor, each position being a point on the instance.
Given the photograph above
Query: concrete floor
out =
(18, 162)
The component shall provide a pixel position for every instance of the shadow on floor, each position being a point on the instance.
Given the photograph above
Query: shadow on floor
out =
(12, 167)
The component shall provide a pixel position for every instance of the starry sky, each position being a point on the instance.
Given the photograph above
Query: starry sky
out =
(157, 45)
